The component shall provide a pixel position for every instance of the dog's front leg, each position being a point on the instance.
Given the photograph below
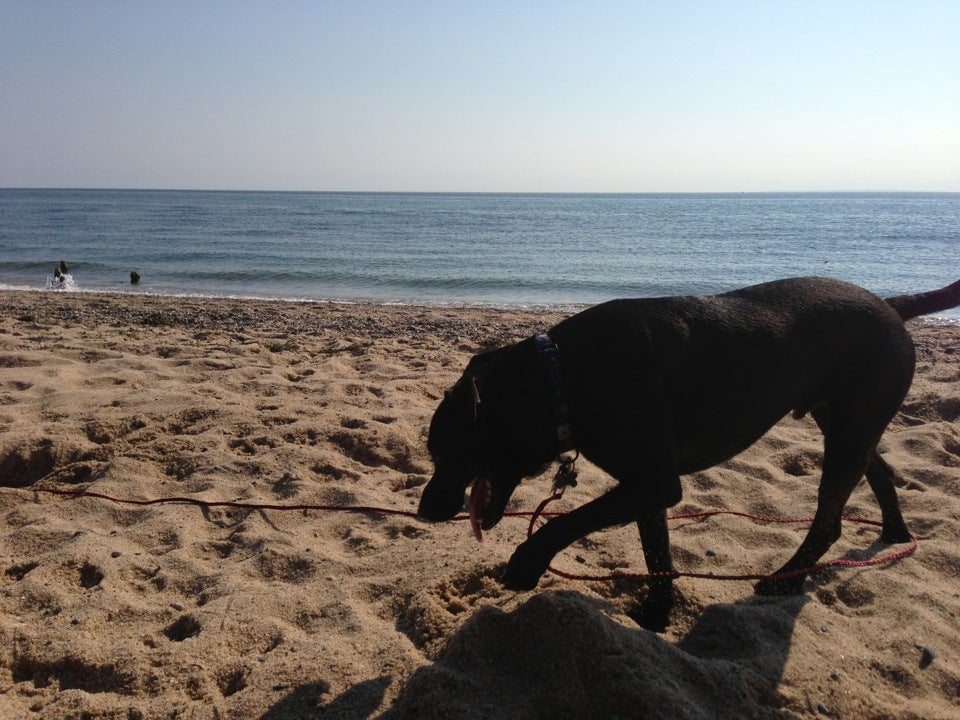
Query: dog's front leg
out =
(654, 612)
(531, 560)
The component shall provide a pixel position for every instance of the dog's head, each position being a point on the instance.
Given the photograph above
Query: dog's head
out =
(493, 428)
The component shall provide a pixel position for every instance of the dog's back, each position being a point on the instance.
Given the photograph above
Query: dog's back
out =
(719, 371)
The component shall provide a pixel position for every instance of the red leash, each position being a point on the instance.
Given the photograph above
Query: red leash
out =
(534, 515)
(839, 562)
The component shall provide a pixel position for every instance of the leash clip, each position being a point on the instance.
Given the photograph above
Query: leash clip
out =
(566, 474)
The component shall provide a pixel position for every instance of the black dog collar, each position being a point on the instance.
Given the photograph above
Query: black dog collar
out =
(551, 357)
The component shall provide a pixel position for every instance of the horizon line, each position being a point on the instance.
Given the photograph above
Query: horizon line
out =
(482, 192)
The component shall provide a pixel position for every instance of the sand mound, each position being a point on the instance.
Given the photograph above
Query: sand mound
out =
(566, 655)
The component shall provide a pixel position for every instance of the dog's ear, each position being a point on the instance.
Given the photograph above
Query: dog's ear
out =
(476, 369)
(475, 389)
(485, 393)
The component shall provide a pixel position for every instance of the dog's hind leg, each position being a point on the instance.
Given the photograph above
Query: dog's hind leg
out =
(840, 476)
(654, 612)
(881, 476)
(848, 447)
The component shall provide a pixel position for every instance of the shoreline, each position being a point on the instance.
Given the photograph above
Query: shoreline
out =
(120, 295)
(31, 298)
(273, 316)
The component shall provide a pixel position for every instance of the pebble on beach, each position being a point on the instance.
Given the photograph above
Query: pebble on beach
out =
(927, 655)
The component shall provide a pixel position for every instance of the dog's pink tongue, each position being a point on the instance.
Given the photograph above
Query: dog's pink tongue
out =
(478, 496)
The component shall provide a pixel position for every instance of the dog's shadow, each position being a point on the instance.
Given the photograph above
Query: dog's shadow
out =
(566, 654)
(309, 701)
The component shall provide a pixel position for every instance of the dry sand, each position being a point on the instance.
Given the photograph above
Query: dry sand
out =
(175, 611)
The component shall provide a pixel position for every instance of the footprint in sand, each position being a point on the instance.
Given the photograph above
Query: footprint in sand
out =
(184, 627)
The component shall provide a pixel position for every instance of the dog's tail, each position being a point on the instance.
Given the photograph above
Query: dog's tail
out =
(911, 306)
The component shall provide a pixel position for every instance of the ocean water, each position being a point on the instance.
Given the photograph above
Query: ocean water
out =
(558, 251)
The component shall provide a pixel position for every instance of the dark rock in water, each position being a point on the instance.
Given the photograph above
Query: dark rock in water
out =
(134, 278)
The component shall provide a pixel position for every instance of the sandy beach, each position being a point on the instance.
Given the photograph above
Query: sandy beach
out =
(112, 610)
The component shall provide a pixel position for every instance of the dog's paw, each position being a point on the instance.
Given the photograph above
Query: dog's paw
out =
(784, 586)
(895, 533)
(523, 572)
(651, 617)
(653, 613)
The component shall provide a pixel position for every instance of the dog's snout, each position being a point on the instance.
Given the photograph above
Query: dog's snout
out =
(441, 499)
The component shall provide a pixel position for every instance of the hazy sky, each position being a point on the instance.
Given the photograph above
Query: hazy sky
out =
(481, 96)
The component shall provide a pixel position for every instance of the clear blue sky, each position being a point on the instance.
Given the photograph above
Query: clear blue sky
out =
(481, 96)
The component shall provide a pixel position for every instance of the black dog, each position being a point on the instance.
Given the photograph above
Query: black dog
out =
(653, 389)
